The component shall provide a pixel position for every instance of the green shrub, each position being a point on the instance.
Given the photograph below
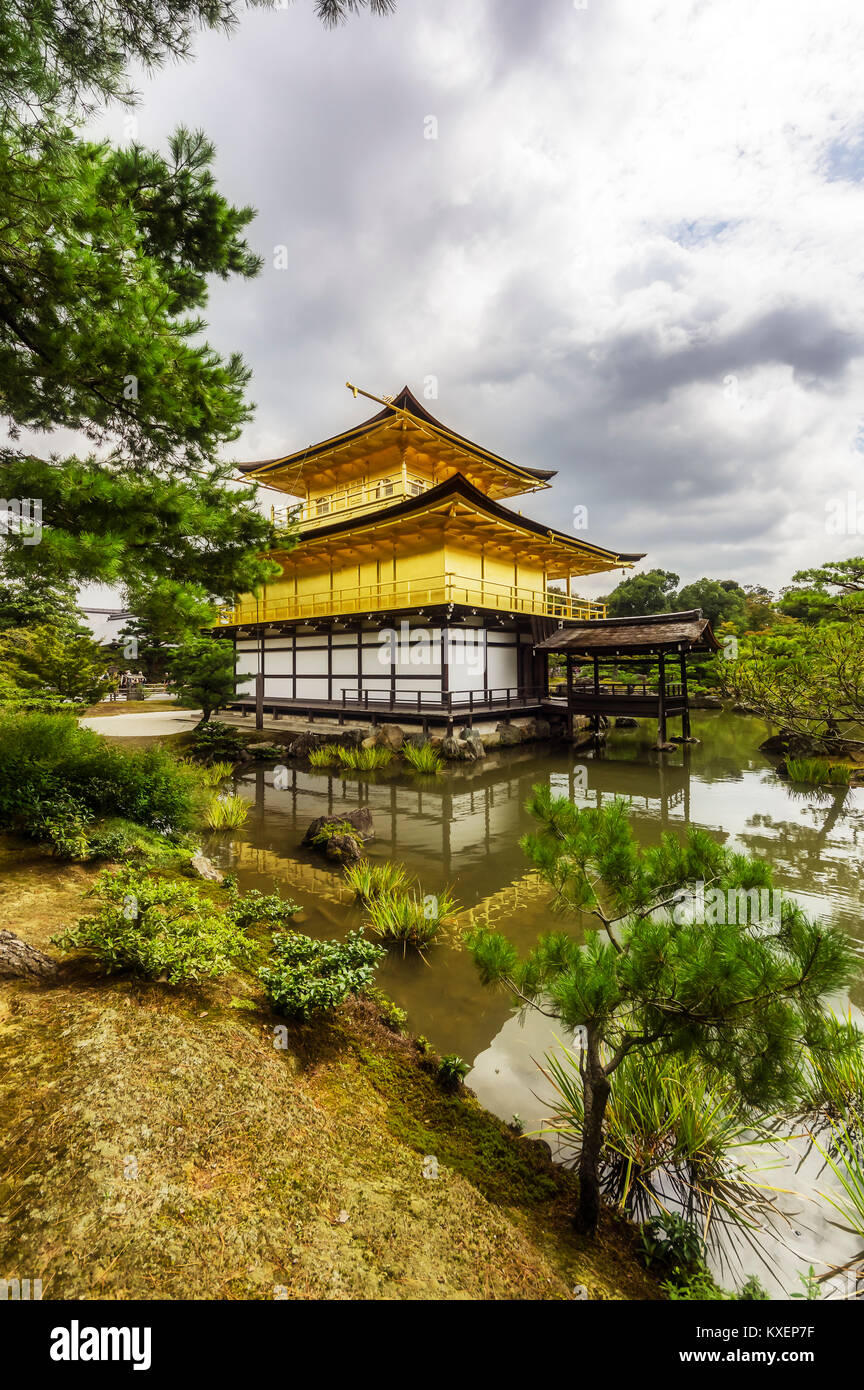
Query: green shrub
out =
(671, 1240)
(213, 741)
(390, 1014)
(48, 764)
(309, 977)
(336, 827)
(424, 758)
(751, 1291)
(452, 1070)
(258, 909)
(158, 928)
(371, 881)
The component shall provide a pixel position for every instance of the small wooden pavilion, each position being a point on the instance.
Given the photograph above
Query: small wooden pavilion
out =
(667, 637)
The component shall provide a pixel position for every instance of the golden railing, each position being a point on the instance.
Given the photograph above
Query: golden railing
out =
(414, 593)
(353, 500)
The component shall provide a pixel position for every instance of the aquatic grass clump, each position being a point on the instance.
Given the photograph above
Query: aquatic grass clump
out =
(364, 759)
(327, 756)
(372, 881)
(226, 812)
(818, 771)
(409, 919)
(215, 773)
(423, 758)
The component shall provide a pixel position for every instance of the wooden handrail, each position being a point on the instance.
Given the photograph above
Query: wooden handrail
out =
(388, 595)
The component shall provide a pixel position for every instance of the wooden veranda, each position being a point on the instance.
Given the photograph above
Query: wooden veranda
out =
(668, 638)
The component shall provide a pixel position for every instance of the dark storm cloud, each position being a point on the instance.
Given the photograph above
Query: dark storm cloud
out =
(636, 367)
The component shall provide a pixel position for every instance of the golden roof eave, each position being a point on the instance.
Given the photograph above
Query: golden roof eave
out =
(458, 514)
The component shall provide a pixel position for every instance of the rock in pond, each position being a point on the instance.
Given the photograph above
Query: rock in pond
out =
(472, 744)
(509, 735)
(360, 819)
(390, 736)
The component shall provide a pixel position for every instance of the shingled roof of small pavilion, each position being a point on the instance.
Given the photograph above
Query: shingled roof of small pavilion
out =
(637, 636)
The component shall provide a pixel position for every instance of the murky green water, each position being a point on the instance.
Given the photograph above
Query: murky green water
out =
(462, 829)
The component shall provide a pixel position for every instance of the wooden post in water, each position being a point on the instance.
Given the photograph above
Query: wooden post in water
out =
(685, 718)
(661, 708)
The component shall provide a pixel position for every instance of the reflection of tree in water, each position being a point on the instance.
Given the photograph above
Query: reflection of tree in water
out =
(808, 856)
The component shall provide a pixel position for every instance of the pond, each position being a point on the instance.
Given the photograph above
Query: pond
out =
(462, 830)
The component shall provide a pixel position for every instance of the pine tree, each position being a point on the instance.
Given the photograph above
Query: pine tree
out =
(661, 972)
(105, 259)
(202, 670)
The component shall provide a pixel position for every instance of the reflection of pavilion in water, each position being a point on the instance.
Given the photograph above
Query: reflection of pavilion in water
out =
(466, 824)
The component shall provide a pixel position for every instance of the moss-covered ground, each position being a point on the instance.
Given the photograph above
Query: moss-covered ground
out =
(157, 1144)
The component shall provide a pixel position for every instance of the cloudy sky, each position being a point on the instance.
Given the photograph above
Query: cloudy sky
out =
(623, 241)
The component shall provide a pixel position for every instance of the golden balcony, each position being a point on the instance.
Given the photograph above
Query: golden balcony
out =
(391, 595)
(349, 501)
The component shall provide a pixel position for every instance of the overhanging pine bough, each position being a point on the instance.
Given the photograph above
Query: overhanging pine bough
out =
(742, 997)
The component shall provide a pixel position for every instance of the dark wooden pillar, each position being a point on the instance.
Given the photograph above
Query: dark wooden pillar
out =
(259, 683)
(685, 718)
(570, 694)
(661, 710)
(595, 718)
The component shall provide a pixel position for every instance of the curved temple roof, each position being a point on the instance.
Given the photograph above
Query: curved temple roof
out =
(405, 415)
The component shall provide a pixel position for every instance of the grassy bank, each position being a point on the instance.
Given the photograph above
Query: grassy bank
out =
(257, 1168)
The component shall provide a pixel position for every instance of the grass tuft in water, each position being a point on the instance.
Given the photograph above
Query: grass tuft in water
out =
(215, 773)
(373, 881)
(423, 758)
(364, 759)
(327, 756)
(409, 919)
(226, 812)
(818, 771)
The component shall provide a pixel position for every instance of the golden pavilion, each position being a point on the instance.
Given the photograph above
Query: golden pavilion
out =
(412, 588)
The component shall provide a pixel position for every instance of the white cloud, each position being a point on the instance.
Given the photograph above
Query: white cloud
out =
(626, 207)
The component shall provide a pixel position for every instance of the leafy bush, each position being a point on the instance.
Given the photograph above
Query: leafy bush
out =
(158, 928)
(452, 1071)
(751, 1291)
(310, 977)
(258, 909)
(335, 828)
(390, 1014)
(213, 741)
(51, 769)
(672, 1240)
